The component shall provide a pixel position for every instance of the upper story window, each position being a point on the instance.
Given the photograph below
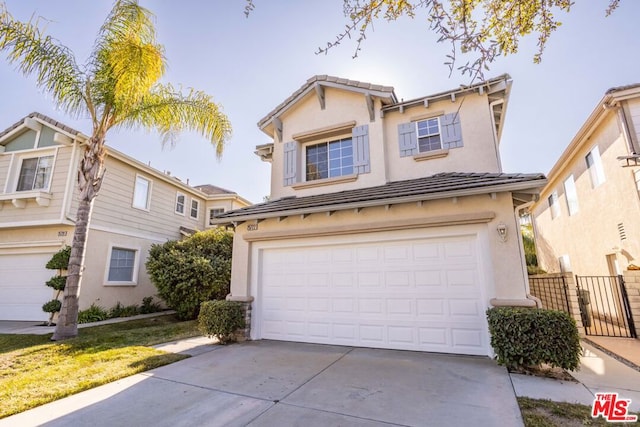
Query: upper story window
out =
(180, 202)
(553, 205)
(214, 213)
(429, 135)
(142, 193)
(194, 208)
(594, 164)
(329, 159)
(571, 194)
(35, 173)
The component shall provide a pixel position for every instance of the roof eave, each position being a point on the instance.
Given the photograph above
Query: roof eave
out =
(500, 188)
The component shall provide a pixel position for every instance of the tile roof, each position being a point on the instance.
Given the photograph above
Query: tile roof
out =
(44, 118)
(209, 189)
(621, 88)
(437, 186)
(330, 79)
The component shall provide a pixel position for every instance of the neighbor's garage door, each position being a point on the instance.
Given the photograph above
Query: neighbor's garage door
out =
(413, 293)
(22, 286)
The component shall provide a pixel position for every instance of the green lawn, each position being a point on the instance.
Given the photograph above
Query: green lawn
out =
(545, 413)
(35, 370)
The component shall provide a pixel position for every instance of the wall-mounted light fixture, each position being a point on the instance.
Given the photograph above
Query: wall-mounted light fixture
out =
(502, 231)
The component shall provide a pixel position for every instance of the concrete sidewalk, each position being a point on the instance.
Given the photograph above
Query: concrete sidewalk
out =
(598, 373)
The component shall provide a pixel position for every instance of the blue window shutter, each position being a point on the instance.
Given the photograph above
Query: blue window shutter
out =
(407, 139)
(360, 138)
(290, 163)
(451, 130)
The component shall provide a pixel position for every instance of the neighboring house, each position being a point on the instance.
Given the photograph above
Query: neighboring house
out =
(586, 220)
(390, 223)
(137, 206)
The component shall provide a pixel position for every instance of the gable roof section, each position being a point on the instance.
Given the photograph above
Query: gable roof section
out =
(439, 186)
(44, 118)
(386, 93)
(209, 189)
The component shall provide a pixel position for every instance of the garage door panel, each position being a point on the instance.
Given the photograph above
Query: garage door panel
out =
(22, 286)
(419, 294)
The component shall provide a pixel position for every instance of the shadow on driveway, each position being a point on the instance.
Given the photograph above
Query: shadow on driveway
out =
(270, 383)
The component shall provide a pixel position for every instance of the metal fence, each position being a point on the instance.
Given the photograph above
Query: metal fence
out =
(552, 291)
(604, 306)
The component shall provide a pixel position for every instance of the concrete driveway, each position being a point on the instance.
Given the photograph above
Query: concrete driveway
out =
(269, 383)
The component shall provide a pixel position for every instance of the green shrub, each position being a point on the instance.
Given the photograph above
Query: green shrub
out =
(60, 260)
(95, 313)
(221, 319)
(149, 306)
(52, 306)
(527, 337)
(123, 311)
(191, 271)
(57, 282)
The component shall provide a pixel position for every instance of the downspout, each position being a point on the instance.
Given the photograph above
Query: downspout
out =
(523, 262)
(625, 126)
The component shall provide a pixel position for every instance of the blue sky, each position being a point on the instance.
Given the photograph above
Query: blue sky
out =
(251, 65)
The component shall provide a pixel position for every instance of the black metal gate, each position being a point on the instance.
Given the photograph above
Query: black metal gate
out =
(552, 291)
(604, 306)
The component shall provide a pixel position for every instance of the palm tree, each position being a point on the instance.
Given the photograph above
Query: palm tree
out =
(118, 87)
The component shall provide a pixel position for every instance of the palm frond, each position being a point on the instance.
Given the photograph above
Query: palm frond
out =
(52, 63)
(126, 61)
(169, 112)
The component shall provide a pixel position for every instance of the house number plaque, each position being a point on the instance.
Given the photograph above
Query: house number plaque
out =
(252, 227)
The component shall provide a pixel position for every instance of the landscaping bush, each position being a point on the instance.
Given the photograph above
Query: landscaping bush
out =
(57, 282)
(60, 260)
(191, 271)
(52, 306)
(95, 313)
(526, 337)
(149, 306)
(123, 311)
(221, 319)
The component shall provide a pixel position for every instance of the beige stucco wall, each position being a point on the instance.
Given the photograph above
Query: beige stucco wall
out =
(479, 153)
(501, 262)
(94, 286)
(35, 239)
(592, 233)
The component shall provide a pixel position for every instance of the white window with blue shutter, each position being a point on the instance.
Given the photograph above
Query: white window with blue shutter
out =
(435, 133)
(328, 159)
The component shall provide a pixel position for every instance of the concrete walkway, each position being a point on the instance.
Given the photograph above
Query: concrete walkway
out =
(598, 373)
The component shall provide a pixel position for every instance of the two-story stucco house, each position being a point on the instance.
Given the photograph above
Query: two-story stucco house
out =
(390, 223)
(586, 220)
(137, 206)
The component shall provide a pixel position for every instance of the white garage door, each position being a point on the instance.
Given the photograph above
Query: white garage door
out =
(22, 286)
(413, 293)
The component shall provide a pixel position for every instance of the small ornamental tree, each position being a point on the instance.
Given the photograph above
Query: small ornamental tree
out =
(59, 261)
(191, 271)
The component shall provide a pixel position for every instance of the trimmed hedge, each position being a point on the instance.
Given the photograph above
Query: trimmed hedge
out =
(528, 337)
(221, 319)
(191, 271)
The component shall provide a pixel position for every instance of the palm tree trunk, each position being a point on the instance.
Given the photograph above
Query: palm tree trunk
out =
(90, 175)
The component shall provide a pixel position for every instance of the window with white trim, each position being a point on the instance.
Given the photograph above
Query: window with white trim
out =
(141, 193)
(122, 265)
(571, 195)
(181, 200)
(35, 173)
(594, 164)
(214, 213)
(428, 132)
(329, 159)
(554, 207)
(194, 208)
